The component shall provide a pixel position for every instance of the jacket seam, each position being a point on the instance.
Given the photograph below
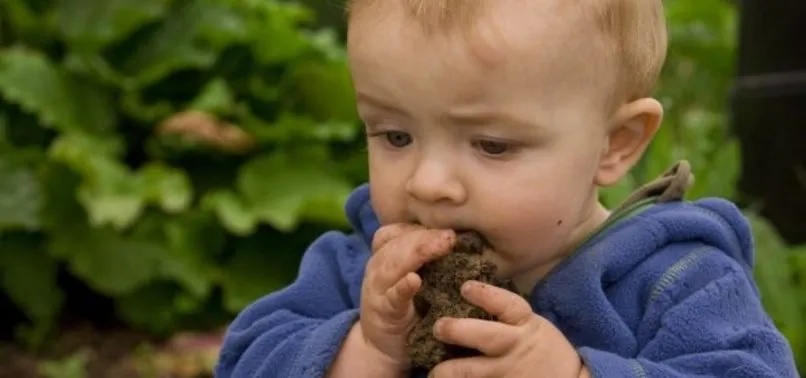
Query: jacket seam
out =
(638, 369)
(671, 274)
(734, 240)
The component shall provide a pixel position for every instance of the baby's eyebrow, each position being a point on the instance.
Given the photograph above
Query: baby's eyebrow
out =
(486, 118)
(374, 102)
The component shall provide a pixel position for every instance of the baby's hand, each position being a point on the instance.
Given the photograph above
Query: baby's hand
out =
(521, 344)
(390, 283)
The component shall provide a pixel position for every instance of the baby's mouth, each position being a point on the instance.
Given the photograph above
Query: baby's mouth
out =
(470, 235)
(474, 243)
(475, 240)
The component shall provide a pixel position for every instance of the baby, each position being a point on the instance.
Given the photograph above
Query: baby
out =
(506, 117)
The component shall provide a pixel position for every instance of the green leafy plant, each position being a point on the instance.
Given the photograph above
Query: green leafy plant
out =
(73, 366)
(173, 155)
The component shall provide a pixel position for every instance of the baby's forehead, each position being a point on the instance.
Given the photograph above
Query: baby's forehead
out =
(492, 32)
(535, 43)
(458, 14)
(622, 42)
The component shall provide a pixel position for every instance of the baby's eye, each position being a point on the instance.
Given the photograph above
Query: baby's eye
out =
(398, 139)
(494, 148)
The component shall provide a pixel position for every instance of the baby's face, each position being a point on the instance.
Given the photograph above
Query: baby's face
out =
(501, 132)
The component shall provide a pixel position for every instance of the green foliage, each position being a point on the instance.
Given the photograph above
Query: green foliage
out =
(73, 366)
(166, 153)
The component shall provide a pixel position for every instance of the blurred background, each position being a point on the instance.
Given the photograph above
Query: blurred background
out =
(163, 163)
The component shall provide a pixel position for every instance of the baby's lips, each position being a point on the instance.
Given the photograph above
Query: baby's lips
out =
(470, 241)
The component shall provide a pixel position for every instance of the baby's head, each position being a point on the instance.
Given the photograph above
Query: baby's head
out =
(505, 116)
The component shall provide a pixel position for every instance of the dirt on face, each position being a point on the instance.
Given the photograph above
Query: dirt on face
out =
(440, 296)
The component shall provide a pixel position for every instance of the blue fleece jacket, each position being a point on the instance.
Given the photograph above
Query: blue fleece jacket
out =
(666, 291)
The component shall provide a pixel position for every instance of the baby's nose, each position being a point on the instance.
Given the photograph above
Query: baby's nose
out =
(432, 183)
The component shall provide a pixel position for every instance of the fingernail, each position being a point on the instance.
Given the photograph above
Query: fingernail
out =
(438, 327)
(468, 286)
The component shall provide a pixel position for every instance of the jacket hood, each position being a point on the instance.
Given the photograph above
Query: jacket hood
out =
(712, 221)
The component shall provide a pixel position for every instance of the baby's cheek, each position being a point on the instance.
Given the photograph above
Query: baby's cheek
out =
(539, 216)
(535, 229)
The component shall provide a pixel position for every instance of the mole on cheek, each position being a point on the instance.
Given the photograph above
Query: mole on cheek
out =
(559, 222)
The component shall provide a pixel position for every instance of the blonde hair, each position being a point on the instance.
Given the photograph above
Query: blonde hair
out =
(634, 32)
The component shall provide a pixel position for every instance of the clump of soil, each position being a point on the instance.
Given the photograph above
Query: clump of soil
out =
(440, 296)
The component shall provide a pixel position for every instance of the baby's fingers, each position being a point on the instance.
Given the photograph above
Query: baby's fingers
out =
(408, 254)
(404, 255)
(388, 233)
(399, 297)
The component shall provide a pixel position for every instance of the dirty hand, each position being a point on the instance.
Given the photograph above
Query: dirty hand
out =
(391, 281)
(521, 344)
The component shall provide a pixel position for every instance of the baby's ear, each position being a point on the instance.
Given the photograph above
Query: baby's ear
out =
(629, 133)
